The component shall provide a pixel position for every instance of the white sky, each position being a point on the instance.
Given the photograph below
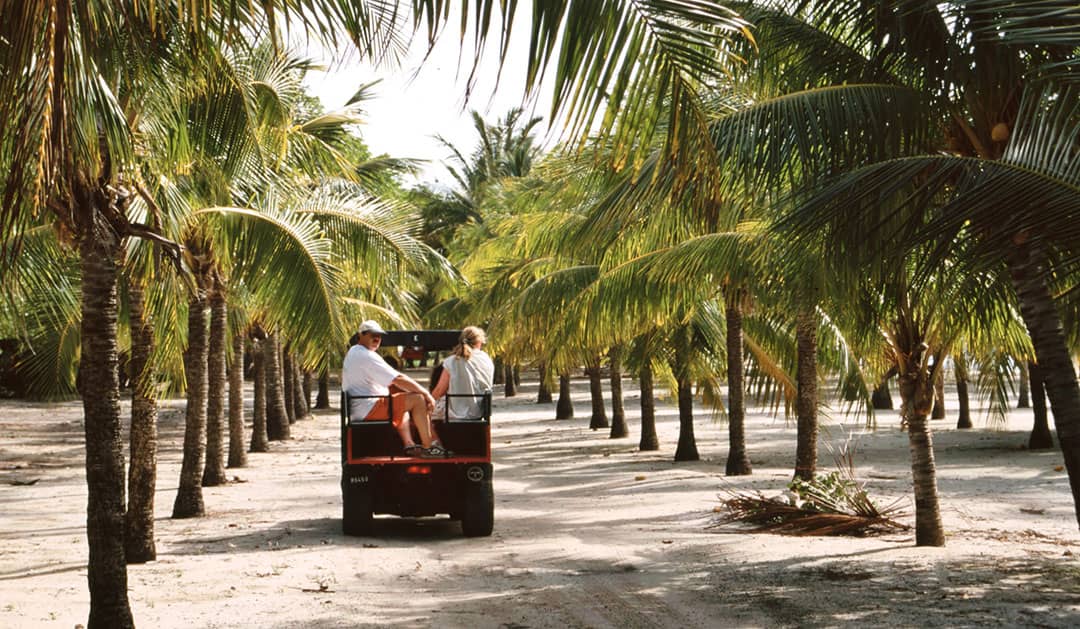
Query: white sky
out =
(416, 102)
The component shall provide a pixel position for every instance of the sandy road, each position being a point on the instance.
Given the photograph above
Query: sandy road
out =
(589, 533)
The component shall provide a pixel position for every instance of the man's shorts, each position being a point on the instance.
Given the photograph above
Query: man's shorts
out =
(382, 408)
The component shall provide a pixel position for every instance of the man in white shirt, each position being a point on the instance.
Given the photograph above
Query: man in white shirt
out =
(365, 373)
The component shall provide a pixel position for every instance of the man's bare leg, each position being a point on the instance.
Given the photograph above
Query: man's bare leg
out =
(405, 431)
(418, 412)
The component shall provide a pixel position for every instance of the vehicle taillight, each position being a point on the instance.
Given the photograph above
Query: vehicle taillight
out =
(418, 469)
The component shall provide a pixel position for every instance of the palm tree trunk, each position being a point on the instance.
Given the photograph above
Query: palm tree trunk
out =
(189, 499)
(686, 450)
(596, 394)
(100, 390)
(500, 371)
(142, 473)
(618, 412)
(564, 408)
(1040, 439)
(305, 391)
(300, 405)
(917, 398)
(509, 384)
(648, 442)
(1052, 354)
(738, 463)
(963, 415)
(259, 439)
(217, 376)
(1024, 399)
(543, 391)
(806, 405)
(939, 397)
(287, 382)
(322, 400)
(881, 399)
(277, 417)
(237, 452)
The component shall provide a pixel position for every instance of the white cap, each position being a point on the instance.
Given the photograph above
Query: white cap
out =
(371, 326)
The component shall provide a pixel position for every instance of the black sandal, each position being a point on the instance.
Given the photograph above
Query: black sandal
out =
(414, 450)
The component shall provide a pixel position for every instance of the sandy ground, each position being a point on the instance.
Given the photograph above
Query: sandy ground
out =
(589, 533)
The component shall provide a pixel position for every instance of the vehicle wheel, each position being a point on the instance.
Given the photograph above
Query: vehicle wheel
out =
(478, 514)
(356, 514)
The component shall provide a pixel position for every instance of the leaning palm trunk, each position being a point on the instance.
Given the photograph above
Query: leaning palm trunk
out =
(277, 418)
(917, 399)
(738, 463)
(618, 413)
(237, 452)
(1043, 322)
(648, 441)
(543, 391)
(142, 473)
(686, 450)
(99, 386)
(1023, 398)
(963, 401)
(259, 439)
(305, 391)
(1040, 439)
(806, 404)
(214, 472)
(938, 411)
(596, 394)
(564, 408)
(881, 399)
(189, 498)
(288, 383)
(299, 402)
(509, 383)
(322, 399)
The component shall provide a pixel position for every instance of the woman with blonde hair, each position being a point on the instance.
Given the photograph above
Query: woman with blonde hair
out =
(466, 376)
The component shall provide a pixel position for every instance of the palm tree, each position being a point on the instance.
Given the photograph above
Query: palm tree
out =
(259, 438)
(988, 83)
(189, 499)
(1040, 438)
(217, 377)
(564, 406)
(618, 414)
(139, 544)
(237, 450)
(74, 78)
(599, 418)
(70, 102)
(806, 333)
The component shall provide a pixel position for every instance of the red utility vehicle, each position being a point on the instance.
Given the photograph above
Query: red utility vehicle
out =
(378, 477)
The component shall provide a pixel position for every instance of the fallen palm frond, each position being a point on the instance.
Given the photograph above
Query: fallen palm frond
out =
(832, 504)
(774, 515)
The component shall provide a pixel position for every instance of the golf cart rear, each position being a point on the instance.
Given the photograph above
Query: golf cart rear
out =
(377, 477)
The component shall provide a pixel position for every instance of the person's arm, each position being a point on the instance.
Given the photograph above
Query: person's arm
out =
(442, 386)
(407, 384)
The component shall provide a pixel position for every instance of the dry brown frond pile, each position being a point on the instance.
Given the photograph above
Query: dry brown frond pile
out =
(832, 504)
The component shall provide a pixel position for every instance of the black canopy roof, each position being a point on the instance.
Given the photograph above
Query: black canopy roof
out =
(430, 340)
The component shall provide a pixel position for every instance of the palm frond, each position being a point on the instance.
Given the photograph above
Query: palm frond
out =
(285, 262)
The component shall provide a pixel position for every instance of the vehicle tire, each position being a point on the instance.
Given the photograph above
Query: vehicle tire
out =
(478, 513)
(356, 512)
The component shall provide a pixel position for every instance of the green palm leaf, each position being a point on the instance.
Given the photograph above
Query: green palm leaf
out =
(286, 263)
